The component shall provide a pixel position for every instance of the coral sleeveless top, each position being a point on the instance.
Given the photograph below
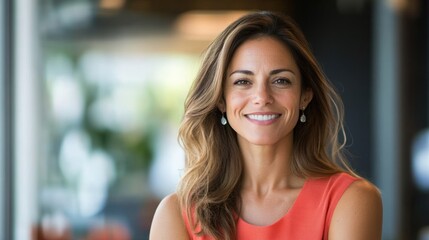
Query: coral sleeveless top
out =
(308, 218)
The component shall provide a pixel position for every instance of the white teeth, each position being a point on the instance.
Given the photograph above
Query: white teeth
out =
(262, 117)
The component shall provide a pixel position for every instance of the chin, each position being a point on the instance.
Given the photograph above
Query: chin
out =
(262, 141)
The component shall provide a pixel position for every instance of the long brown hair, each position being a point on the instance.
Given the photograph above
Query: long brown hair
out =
(209, 189)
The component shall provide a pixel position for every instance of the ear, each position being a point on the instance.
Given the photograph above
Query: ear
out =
(306, 97)
(221, 105)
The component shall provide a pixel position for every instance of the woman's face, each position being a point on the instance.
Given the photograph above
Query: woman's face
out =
(262, 92)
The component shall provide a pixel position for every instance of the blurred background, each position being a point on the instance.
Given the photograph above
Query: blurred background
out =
(92, 91)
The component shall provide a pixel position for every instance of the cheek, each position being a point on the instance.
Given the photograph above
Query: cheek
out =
(290, 101)
(234, 101)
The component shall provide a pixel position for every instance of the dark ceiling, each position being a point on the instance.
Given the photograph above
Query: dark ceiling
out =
(175, 6)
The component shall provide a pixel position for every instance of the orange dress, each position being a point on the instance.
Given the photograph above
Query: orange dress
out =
(308, 218)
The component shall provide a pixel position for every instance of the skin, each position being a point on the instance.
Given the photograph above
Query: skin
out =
(167, 222)
(262, 98)
(264, 80)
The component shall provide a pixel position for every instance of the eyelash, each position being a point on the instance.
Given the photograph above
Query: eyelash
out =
(280, 81)
(242, 82)
(283, 81)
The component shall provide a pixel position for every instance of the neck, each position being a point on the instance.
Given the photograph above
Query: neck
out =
(267, 167)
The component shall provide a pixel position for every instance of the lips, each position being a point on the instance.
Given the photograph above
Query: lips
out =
(263, 117)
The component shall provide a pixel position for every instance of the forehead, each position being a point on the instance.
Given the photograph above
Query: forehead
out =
(262, 51)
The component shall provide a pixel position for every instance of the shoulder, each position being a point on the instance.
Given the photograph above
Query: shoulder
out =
(168, 215)
(358, 214)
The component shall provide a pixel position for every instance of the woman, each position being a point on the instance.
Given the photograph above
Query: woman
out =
(263, 158)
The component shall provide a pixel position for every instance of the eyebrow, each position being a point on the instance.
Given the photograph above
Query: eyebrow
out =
(272, 72)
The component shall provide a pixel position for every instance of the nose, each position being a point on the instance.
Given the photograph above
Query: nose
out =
(262, 95)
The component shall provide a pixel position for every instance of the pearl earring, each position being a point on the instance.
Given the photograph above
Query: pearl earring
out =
(223, 120)
(303, 118)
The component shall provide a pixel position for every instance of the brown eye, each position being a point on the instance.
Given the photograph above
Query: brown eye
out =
(282, 81)
(242, 82)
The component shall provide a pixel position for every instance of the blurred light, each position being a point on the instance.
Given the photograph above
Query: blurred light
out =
(95, 68)
(67, 101)
(74, 152)
(169, 161)
(125, 86)
(111, 4)
(398, 4)
(107, 69)
(205, 25)
(411, 7)
(96, 176)
(120, 111)
(420, 160)
(92, 172)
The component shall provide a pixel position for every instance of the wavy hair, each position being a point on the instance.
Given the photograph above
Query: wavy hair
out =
(209, 189)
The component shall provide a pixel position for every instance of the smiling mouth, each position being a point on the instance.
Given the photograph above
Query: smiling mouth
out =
(263, 117)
